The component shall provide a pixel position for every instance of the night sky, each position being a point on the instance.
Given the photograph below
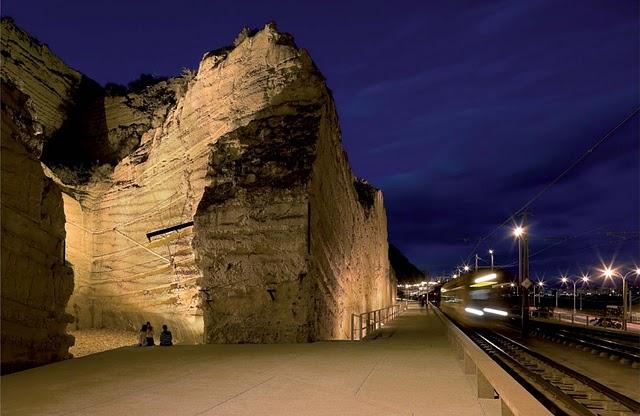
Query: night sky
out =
(460, 111)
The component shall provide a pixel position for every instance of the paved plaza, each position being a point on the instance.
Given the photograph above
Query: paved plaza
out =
(409, 369)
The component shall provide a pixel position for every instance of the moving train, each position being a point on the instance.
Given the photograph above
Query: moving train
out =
(481, 298)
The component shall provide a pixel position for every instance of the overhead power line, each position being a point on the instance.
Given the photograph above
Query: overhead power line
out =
(556, 180)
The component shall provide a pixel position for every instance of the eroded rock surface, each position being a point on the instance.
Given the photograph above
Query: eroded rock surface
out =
(36, 282)
(273, 238)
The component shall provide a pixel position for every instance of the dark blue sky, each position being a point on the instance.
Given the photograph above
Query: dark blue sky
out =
(459, 110)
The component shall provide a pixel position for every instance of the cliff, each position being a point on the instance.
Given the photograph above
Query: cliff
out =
(219, 203)
(405, 271)
(36, 281)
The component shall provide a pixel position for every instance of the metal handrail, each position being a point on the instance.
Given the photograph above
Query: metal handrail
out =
(584, 319)
(371, 321)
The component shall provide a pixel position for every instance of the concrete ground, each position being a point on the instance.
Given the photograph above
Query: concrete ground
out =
(410, 369)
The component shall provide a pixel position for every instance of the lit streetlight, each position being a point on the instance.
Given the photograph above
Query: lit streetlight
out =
(541, 286)
(466, 268)
(520, 232)
(584, 280)
(609, 272)
(491, 254)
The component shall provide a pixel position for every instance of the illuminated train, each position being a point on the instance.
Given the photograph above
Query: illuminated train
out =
(481, 298)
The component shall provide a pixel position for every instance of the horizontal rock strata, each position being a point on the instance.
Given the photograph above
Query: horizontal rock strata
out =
(36, 282)
(220, 203)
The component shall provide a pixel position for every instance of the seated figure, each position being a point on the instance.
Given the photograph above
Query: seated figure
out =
(166, 339)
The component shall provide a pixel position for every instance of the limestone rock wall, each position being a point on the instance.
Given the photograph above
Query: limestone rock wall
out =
(348, 238)
(36, 282)
(162, 182)
(288, 241)
(47, 82)
(285, 242)
(251, 232)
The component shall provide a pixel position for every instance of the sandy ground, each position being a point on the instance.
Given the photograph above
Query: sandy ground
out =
(91, 341)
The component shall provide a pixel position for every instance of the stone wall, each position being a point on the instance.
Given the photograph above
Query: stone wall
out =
(36, 282)
(348, 238)
(285, 242)
(252, 232)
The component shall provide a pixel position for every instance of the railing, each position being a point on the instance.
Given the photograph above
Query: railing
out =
(492, 381)
(365, 323)
(611, 322)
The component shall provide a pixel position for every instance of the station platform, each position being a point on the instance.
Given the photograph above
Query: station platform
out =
(407, 369)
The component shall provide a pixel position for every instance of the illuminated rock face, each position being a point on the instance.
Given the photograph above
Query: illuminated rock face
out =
(278, 242)
(36, 283)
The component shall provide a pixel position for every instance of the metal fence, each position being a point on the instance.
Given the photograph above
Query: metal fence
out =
(585, 319)
(365, 323)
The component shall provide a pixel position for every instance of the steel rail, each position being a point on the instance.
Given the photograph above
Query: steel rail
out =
(610, 347)
(533, 382)
(627, 402)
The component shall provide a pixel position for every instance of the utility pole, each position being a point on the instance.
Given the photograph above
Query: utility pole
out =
(491, 254)
(477, 261)
(524, 277)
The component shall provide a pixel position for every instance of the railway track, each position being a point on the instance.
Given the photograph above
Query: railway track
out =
(562, 390)
(625, 352)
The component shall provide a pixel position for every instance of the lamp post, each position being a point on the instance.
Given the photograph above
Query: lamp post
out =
(610, 272)
(584, 279)
(520, 233)
(541, 286)
(491, 254)
(466, 268)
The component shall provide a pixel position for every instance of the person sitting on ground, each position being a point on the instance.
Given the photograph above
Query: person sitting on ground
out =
(166, 339)
(142, 336)
(149, 336)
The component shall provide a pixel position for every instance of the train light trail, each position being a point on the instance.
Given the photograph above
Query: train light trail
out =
(495, 311)
(474, 311)
(486, 278)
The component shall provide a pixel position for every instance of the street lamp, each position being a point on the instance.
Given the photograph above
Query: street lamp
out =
(466, 268)
(491, 254)
(575, 282)
(585, 280)
(610, 272)
(519, 231)
(541, 285)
